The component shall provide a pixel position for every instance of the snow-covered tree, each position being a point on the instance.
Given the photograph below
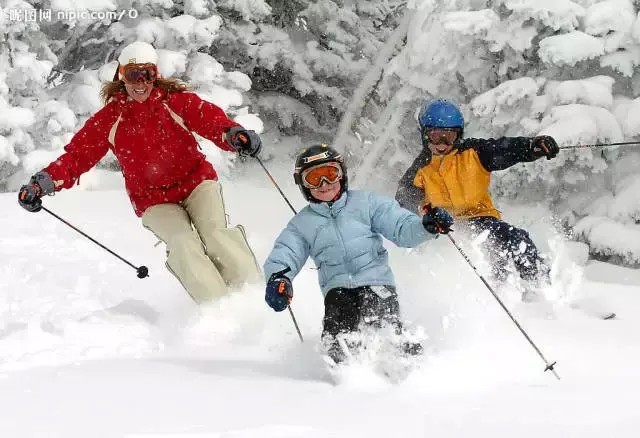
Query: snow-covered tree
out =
(25, 64)
(307, 57)
(302, 59)
(566, 68)
(55, 68)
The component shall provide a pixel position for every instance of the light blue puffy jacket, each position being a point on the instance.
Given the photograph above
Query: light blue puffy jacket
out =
(344, 240)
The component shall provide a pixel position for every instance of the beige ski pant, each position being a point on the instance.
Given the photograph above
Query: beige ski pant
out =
(205, 255)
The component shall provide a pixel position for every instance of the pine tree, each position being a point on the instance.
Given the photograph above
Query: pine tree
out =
(25, 64)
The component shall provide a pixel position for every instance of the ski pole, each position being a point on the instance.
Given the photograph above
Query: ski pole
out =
(598, 145)
(273, 181)
(142, 271)
(295, 323)
(549, 366)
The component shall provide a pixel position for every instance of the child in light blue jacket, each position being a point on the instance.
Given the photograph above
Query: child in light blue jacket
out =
(342, 231)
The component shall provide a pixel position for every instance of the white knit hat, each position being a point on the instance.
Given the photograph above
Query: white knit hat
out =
(138, 53)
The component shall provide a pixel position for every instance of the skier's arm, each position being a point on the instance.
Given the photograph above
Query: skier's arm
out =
(85, 149)
(395, 223)
(408, 195)
(203, 117)
(290, 250)
(500, 153)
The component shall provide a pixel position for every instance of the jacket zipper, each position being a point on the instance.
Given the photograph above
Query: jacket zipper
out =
(444, 182)
(344, 248)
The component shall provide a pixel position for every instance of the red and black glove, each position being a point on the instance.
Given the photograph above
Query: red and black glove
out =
(246, 142)
(29, 196)
(544, 146)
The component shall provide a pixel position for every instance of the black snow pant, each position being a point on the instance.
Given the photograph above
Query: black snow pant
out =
(349, 310)
(506, 242)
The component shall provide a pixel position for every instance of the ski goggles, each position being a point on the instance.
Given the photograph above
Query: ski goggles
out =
(441, 135)
(313, 177)
(134, 73)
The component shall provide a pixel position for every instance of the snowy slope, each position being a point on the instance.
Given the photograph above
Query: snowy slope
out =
(88, 349)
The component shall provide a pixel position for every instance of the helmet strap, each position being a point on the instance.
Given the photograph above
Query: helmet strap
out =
(423, 138)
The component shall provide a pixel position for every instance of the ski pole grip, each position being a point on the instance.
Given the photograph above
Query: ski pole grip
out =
(143, 271)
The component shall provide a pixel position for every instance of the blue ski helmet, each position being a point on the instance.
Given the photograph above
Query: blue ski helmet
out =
(440, 113)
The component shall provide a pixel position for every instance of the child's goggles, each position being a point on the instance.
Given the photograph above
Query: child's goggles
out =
(134, 73)
(313, 177)
(441, 135)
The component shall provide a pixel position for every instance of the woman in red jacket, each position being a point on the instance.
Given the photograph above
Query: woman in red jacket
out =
(148, 122)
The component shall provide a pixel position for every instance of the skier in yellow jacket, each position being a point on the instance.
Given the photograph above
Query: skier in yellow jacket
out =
(454, 173)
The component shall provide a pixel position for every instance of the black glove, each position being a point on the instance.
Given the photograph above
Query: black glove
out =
(30, 195)
(544, 146)
(437, 220)
(246, 142)
(279, 291)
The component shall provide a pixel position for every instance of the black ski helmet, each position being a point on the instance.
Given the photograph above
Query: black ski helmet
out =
(312, 156)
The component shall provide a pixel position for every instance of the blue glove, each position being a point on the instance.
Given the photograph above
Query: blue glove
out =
(245, 141)
(279, 291)
(437, 220)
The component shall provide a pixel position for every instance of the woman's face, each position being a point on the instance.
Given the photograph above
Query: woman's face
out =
(326, 192)
(138, 80)
(140, 91)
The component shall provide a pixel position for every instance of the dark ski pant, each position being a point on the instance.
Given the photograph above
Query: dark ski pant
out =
(506, 242)
(349, 310)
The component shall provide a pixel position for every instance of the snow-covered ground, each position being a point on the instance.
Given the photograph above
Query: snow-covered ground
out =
(89, 350)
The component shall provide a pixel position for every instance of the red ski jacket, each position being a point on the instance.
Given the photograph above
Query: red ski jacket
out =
(153, 143)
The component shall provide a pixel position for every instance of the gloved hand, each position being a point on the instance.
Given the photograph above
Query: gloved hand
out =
(544, 146)
(30, 195)
(437, 220)
(279, 291)
(246, 142)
